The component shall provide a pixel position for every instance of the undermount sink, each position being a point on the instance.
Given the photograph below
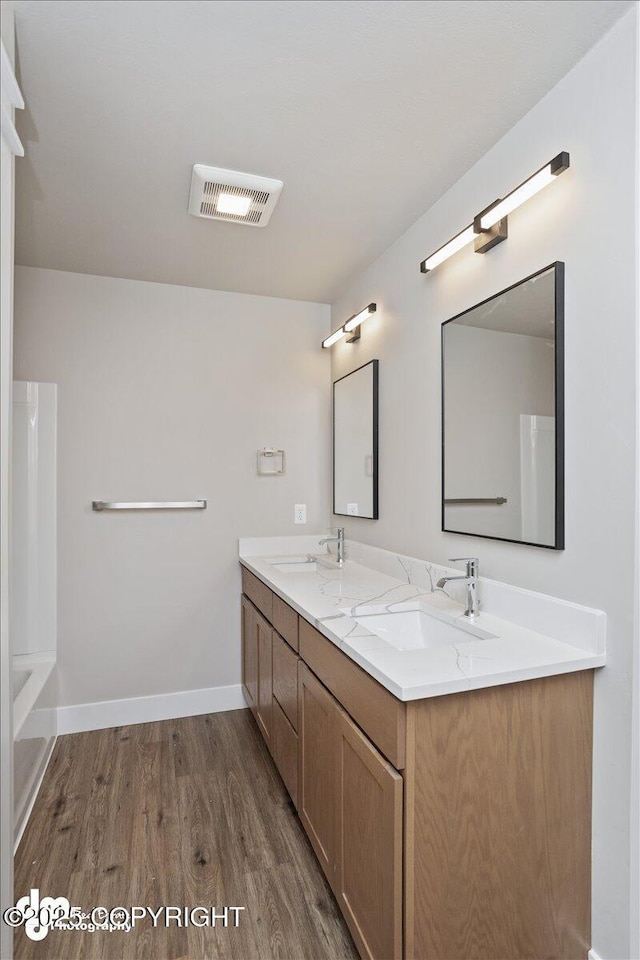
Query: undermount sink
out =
(303, 564)
(298, 564)
(295, 566)
(412, 626)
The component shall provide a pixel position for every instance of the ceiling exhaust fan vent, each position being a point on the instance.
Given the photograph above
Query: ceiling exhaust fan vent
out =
(218, 194)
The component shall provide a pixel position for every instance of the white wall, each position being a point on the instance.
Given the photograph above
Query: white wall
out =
(166, 393)
(587, 220)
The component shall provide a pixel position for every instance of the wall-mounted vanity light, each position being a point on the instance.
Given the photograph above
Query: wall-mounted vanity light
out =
(352, 326)
(490, 226)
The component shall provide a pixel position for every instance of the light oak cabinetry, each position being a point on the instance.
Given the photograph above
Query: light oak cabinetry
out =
(259, 594)
(270, 675)
(265, 678)
(285, 620)
(350, 804)
(316, 768)
(498, 829)
(285, 678)
(249, 654)
(452, 828)
(378, 712)
(257, 669)
(285, 751)
(285, 711)
(368, 844)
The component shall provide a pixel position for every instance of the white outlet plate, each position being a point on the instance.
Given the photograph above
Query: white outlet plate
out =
(300, 513)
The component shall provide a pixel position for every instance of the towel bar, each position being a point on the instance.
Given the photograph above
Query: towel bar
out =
(498, 500)
(100, 505)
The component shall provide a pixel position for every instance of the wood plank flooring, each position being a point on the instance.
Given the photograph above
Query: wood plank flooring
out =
(183, 813)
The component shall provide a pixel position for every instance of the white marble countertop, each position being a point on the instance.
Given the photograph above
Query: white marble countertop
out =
(515, 653)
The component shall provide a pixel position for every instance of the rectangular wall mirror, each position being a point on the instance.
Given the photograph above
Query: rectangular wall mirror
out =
(355, 443)
(503, 415)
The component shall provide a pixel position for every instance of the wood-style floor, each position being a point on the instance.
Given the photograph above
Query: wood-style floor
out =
(183, 813)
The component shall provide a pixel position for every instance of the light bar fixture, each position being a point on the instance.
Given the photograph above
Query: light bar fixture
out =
(452, 246)
(335, 336)
(352, 326)
(355, 321)
(490, 226)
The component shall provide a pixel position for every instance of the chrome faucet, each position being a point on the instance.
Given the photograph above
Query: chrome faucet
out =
(340, 541)
(471, 579)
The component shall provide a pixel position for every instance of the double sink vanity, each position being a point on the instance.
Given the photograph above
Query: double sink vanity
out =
(434, 728)
(440, 765)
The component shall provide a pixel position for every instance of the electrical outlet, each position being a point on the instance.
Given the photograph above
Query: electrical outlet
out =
(352, 509)
(300, 513)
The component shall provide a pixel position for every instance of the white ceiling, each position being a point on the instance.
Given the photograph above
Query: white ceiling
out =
(527, 309)
(368, 111)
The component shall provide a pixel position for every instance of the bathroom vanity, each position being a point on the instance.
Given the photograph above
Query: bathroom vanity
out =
(446, 792)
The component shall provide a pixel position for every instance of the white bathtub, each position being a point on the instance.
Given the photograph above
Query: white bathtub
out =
(33, 587)
(30, 674)
(19, 679)
(34, 728)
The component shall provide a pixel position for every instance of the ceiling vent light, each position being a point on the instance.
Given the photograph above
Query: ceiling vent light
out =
(218, 194)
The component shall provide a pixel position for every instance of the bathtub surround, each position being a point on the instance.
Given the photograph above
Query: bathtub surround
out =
(7, 179)
(35, 732)
(592, 114)
(33, 589)
(166, 393)
(33, 518)
(30, 675)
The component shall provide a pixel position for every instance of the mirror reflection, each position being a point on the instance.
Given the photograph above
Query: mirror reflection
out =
(355, 443)
(502, 415)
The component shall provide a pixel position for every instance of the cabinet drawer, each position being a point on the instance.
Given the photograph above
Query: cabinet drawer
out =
(285, 751)
(285, 620)
(285, 679)
(258, 593)
(374, 709)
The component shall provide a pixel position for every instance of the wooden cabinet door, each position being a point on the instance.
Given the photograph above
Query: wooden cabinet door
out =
(285, 678)
(368, 843)
(249, 654)
(265, 679)
(285, 751)
(316, 767)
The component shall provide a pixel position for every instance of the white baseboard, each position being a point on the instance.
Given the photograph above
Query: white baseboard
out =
(592, 955)
(168, 706)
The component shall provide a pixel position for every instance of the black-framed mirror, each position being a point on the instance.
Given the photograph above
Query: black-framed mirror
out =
(355, 443)
(503, 414)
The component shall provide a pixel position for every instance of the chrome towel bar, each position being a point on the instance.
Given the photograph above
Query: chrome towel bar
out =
(100, 505)
(498, 500)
